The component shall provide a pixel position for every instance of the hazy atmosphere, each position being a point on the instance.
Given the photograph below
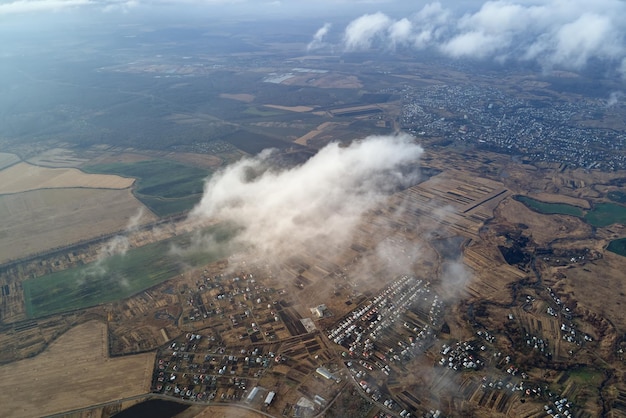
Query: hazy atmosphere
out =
(307, 209)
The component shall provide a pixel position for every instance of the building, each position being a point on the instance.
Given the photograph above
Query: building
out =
(319, 311)
(325, 373)
(269, 398)
(252, 394)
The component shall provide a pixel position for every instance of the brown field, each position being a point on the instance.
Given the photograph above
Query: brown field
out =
(242, 97)
(545, 228)
(7, 159)
(75, 372)
(298, 109)
(40, 220)
(24, 177)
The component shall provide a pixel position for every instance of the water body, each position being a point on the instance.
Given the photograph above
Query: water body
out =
(550, 208)
(601, 215)
(155, 408)
(618, 246)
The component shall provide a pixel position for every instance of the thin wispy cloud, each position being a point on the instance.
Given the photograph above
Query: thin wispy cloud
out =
(318, 38)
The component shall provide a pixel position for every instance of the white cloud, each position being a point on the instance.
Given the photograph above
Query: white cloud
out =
(400, 32)
(476, 44)
(311, 208)
(555, 33)
(361, 32)
(318, 39)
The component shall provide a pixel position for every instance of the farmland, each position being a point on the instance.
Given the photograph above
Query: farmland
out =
(74, 372)
(25, 177)
(166, 187)
(39, 220)
(118, 276)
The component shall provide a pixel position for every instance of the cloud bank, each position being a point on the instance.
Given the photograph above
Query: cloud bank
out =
(314, 207)
(554, 33)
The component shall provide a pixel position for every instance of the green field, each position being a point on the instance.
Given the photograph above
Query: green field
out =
(617, 196)
(550, 208)
(618, 246)
(605, 214)
(602, 214)
(164, 186)
(119, 276)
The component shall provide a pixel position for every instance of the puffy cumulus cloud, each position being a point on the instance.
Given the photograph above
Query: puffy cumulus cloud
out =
(314, 207)
(318, 39)
(555, 33)
(361, 32)
(400, 31)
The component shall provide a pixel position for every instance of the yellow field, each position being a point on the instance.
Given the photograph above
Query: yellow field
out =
(299, 109)
(74, 372)
(24, 177)
(39, 220)
(312, 134)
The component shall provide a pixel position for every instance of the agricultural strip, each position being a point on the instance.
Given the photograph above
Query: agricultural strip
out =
(24, 177)
(166, 187)
(74, 372)
(120, 276)
(40, 220)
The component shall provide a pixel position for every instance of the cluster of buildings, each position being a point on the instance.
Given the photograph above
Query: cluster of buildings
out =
(197, 368)
(491, 119)
(460, 356)
(384, 333)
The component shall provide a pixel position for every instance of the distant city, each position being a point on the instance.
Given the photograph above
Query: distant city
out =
(490, 118)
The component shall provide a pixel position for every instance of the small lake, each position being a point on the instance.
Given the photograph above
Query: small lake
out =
(155, 408)
(602, 214)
